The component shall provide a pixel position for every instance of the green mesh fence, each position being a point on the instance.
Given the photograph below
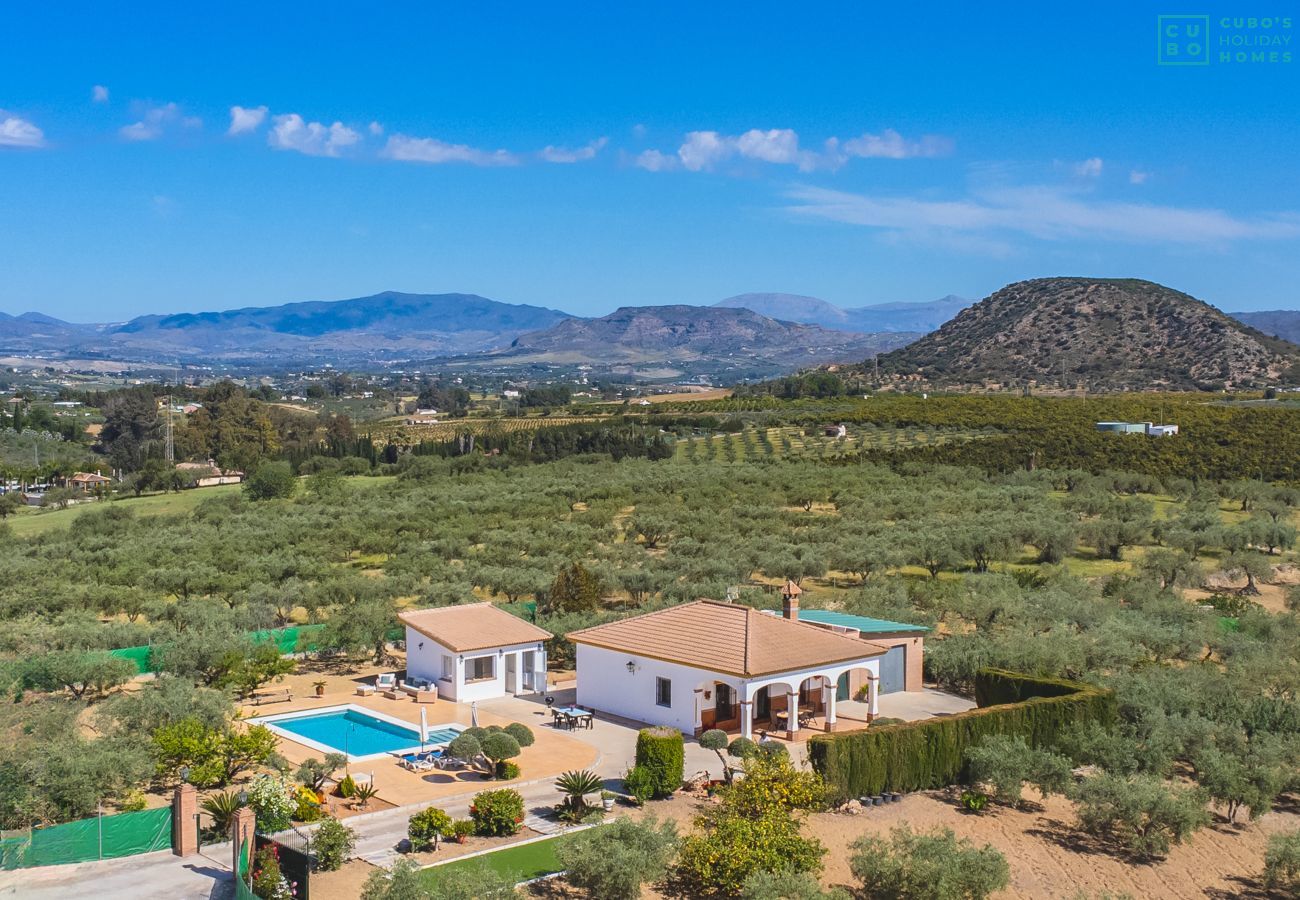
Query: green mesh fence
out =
(242, 890)
(104, 837)
(294, 639)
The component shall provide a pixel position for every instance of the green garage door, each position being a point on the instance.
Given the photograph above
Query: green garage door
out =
(893, 666)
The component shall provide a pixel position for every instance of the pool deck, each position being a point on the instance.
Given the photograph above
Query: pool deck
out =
(552, 753)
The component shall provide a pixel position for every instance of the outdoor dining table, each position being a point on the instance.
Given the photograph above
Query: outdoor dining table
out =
(572, 715)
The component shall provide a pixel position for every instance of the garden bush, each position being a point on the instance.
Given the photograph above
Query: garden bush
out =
(497, 813)
(661, 751)
(787, 885)
(639, 783)
(333, 843)
(919, 866)
(274, 801)
(427, 826)
(932, 753)
(613, 862)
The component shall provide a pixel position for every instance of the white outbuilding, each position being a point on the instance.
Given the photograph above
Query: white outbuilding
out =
(706, 664)
(474, 651)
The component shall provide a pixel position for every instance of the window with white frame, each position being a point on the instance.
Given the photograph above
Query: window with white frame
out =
(448, 667)
(663, 692)
(480, 668)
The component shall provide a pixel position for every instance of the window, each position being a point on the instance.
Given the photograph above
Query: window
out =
(480, 668)
(663, 692)
(448, 668)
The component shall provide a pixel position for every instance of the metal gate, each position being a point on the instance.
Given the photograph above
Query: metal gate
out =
(893, 668)
(294, 850)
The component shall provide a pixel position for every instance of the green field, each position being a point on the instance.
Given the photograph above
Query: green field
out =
(33, 521)
(791, 442)
(522, 862)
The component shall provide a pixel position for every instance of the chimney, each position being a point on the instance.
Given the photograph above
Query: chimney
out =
(790, 601)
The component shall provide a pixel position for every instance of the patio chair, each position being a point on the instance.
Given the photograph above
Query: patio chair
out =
(386, 681)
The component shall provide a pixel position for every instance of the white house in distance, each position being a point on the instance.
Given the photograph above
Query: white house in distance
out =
(707, 664)
(474, 651)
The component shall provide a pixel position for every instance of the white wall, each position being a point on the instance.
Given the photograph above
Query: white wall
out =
(605, 684)
(426, 662)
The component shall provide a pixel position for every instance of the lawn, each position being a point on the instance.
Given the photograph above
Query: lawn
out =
(524, 862)
(29, 522)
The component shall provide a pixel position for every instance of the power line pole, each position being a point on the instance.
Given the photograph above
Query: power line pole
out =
(171, 447)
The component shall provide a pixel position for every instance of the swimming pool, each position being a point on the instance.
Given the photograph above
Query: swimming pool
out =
(360, 733)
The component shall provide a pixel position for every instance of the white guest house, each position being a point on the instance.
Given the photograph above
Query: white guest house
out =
(474, 652)
(707, 664)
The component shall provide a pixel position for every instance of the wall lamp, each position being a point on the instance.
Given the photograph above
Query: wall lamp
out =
(632, 667)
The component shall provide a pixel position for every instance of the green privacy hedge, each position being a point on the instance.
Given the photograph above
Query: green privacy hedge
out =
(931, 753)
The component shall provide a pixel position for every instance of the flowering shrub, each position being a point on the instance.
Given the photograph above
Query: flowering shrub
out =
(307, 804)
(274, 800)
(497, 813)
(269, 882)
(427, 826)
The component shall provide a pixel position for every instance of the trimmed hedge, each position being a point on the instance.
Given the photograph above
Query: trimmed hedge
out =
(661, 751)
(932, 753)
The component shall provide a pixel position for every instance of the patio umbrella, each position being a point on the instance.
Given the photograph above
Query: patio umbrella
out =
(424, 727)
(473, 714)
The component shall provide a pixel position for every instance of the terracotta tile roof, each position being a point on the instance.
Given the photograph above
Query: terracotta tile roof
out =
(727, 638)
(472, 626)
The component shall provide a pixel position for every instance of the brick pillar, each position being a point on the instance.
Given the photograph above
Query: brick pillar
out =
(241, 833)
(185, 826)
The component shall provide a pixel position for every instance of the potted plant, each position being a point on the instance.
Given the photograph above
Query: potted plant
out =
(461, 829)
(320, 688)
(607, 800)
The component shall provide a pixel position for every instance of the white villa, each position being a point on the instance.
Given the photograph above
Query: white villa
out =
(474, 652)
(707, 664)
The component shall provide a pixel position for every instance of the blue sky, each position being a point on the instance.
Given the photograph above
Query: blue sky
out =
(586, 156)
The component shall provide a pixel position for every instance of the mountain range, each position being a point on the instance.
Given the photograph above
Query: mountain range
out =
(1107, 333)
(920, 317)
(1283, 323)
(392, 326)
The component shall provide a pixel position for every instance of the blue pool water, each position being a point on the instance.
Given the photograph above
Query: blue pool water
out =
(358, 734)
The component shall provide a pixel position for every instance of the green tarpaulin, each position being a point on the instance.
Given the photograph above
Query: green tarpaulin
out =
(104, 837)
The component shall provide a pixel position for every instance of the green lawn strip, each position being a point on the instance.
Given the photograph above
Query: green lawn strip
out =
(523, 861)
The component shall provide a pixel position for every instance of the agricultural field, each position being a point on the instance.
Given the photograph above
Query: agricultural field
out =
(792, 442)
(396, 432)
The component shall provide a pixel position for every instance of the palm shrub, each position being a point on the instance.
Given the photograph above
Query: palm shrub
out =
(497, 813)
(332, 843)
(426, 827)
(1282, 862)
(222, 808)
(1140, 814)
(365, 793)
(926, 866)
(662, 752)
(613, 862)
(576, 786)
(1005, 763)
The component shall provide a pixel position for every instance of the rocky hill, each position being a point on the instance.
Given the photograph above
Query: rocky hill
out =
(1106, 333)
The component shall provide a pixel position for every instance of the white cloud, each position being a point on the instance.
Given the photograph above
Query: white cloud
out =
(706, 150)
(246, 118)
(1089, 168)
(99, 94)
(655, 161)
(291, 132)
(1043, 212)
(1138, 177)
(572, 155)
(638, 131)
(431, 150)
(16, 132)
(154, 121)
(889, 144)
(375, 128)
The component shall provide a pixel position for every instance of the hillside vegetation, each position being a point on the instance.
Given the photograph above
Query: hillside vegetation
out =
(1103, 333)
